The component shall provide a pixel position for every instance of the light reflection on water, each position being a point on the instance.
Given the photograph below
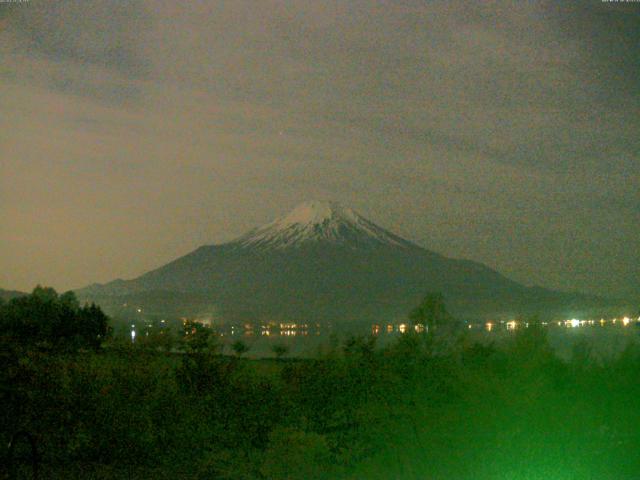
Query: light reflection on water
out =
(293, 330)
(604, 336)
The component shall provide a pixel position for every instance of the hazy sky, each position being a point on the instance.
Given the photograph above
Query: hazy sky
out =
(132, 132)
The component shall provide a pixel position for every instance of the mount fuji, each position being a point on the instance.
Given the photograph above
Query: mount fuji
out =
(321, 222)
(323, 262)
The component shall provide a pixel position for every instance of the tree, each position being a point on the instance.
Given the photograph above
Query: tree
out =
(359, 345)
(43, 318)
(93, 325)
(199, 338)
(239, 347)
(44, 294)
(280, 350)
(69, 300)
(431, 312)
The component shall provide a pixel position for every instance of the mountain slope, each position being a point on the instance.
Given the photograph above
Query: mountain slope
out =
(324, 262)
(7, 295)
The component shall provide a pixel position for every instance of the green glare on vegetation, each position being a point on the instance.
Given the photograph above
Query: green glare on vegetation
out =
(432, 405)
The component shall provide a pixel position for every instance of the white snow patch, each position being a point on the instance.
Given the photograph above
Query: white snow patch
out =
(320, 221)
(314, 212)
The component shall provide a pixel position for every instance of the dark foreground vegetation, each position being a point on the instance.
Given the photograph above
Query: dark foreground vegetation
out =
(430, 406)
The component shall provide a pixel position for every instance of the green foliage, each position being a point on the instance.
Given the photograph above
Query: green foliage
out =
(477, 411)
(198, 338)
(51, 321)
(279, 350)
(202, 372)
(296, 454)
(239, 348)
(431, 312)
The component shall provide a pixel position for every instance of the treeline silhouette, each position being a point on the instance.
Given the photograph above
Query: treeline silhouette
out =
(51, 321)
(431, 405)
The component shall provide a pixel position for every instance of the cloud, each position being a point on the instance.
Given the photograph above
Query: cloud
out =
(106, 34)
(478, 129)
(89, 48)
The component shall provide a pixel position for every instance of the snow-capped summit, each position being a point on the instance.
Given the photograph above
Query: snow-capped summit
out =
(316, 212)
(317, 221)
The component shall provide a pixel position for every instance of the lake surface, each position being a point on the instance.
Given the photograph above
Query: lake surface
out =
(604, 338)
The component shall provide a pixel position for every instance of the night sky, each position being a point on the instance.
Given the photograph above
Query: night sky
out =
(132, 132)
